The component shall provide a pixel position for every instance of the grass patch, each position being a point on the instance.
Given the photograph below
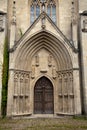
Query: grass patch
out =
(80, 117)
(43, 124)
(57, 127)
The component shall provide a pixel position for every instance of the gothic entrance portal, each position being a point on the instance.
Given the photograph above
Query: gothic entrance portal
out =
(43, 97)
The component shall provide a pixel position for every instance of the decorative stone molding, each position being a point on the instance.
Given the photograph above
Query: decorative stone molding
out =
(43, 21)
(14, 13)
(43, 71)
(73, 14)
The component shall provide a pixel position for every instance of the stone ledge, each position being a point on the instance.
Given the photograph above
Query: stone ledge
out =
(65, 114)
(21, 114)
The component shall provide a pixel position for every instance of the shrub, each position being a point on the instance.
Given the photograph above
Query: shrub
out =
(5, 77)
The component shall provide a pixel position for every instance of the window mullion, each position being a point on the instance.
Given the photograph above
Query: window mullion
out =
(51, 11)
(46, 8)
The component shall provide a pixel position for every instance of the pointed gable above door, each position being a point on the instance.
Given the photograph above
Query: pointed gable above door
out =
(43, 23)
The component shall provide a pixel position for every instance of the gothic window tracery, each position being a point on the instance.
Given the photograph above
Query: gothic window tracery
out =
(37, 6)
(51, 10)
(35, 10)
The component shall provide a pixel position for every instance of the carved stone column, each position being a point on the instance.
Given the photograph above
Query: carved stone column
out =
(65, 94)
(77, 97)
(70, 93)
(27, 92)
(13, 27)
(15, 93)
(10, 94)
(60, 96)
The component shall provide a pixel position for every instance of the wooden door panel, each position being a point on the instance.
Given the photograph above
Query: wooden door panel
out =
(48, 97)
(49, 108)
(43, 97)
(38, 97)
(38, 108)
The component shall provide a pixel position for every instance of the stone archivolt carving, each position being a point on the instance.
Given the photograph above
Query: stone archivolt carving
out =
(65, 92)
(21, 92)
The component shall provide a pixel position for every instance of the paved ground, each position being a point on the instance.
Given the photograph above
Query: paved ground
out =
(44, 124)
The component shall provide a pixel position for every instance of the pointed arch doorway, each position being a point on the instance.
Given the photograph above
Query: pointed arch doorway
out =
(43, 97)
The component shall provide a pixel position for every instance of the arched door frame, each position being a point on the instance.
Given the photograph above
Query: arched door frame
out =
(54, 89)
(43, 96)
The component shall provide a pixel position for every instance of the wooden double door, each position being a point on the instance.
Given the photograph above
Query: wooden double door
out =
(43, 97)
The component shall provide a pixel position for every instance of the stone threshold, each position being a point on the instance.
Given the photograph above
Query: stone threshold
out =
(32, 116)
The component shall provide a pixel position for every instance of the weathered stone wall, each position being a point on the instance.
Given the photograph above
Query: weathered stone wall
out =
(64, 19)
(82, 5)
(84, 60)
(3, 5)
(83, 41)
(22, 16)
(64, 10)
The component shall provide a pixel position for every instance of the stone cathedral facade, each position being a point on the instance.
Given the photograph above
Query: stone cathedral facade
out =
(47, 56)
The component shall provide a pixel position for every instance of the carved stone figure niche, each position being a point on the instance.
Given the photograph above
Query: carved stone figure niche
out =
(50, 60)
(65, 92)
(43, 62)
(21, 92)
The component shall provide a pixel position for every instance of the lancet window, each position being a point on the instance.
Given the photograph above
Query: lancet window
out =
(37, 6)
(51, 10)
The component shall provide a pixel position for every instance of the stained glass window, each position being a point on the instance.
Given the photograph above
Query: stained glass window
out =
(37, 8)
(49, 10)
(54, 13)
(32, 14)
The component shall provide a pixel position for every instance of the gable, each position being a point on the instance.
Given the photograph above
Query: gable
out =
(44, 23)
